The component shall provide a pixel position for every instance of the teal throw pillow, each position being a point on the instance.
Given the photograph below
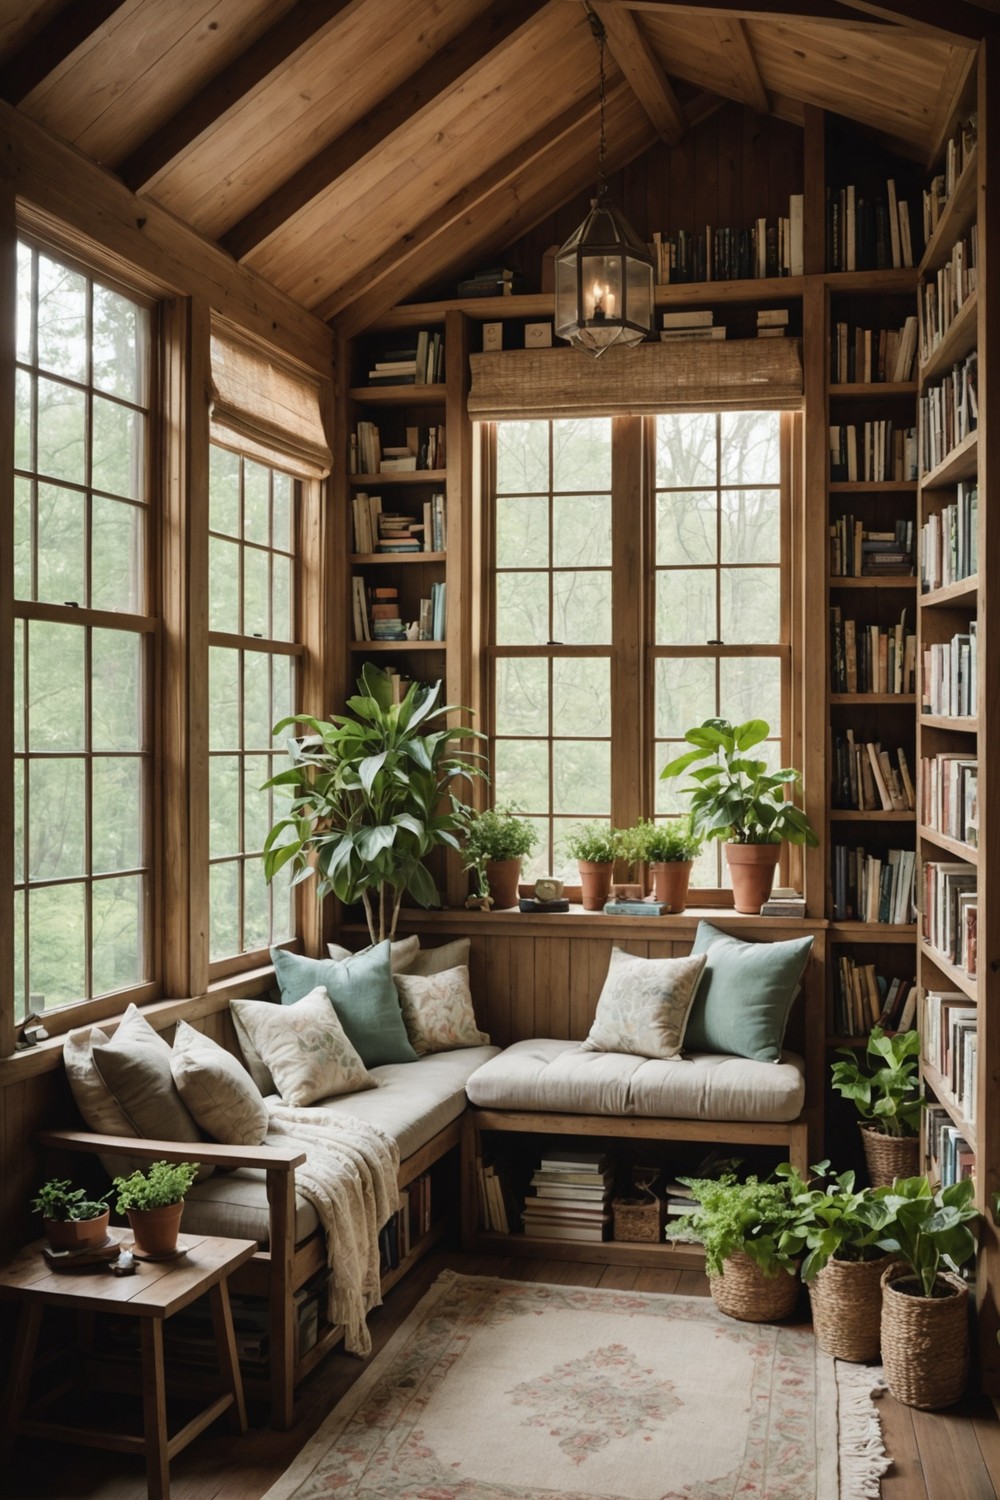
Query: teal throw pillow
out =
(742, 1004)
(362, 993)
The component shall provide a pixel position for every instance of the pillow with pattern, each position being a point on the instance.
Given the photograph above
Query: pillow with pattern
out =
(304, 1047)
(644, 1005)
(437, 1011)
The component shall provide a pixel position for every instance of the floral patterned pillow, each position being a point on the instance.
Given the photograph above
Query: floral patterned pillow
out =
(304, 1046)
(437, 1010)
(644, 1005)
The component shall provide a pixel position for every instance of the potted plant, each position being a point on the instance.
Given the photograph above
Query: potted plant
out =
(925, 1327)
(669, 849)
(886, 1093)
(372, 795)
(70, 1219)
(837, 1229)
(153, 1201)
(496, 840)
(738, 799)
(595, 847)
(747, 1230)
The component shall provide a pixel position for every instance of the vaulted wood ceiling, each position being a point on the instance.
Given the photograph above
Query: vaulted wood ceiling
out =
(354, 150)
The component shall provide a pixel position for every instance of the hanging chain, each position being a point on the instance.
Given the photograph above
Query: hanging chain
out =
(600, 35)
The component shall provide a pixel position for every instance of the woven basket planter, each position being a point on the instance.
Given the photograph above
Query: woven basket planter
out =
(638, 1219)
(925, 1341)
(846, 1299)
(889, 1156)
(744, 1292)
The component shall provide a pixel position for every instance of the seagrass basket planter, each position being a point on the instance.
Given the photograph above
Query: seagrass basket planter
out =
(925, 1340)
(889, 1156)
(744, 1292)
(846, 1298)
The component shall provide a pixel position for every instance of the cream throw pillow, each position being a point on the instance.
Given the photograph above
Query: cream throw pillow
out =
(401, 952)
(218, 1090)
(437, 1011)
(304, 1047)
(99, 1109)
(644, 1005)
(436, 960)
(135, 1066)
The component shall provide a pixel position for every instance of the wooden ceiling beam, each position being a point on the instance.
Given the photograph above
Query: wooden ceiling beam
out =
(302, 26)
(736, 44)
(961, 68)
(955, 21)
(51, 46)
(497, 27)
(829, 12)
(642, 72)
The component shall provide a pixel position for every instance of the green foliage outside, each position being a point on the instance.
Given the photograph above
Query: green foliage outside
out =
(58, 1200)
(886, 1088)
(161, 1184)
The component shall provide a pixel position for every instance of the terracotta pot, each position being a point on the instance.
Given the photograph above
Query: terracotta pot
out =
(925, 1340)
(751, 869)
(670, 883)
(595, 883)
(76, 1234)
(889, 1156)
(504, 876)
(156, 1229)
(846, 1299)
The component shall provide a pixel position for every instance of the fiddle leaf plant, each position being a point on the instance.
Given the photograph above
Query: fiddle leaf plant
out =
(833, 1220)
(928, 1229)
(737, 797)
(886, 1090)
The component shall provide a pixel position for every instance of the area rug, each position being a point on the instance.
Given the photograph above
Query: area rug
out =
(513, 1390)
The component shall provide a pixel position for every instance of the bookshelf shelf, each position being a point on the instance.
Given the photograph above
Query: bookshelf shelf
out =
(964, 591)
(396, 559)
(900, 699)
(873, 390)
(873, 487)
(958, 847)
(875, 815)
(953, 974)
(944, 1096)
(398, 395)
(966, 724)
(391, 646)
(872, 932)
(961, 463)
(958, 217)
(398, 476)
(958, 340)
(873, 581)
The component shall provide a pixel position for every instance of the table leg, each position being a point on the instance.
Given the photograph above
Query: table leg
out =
(15, 1396)
(154, 1410)
(225, 1343)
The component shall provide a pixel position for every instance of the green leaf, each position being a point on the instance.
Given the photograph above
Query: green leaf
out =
(751, 733)
(680, 763)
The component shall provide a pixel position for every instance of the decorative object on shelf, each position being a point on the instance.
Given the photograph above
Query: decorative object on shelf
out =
(595, 847)
(373, 793)
(639, 1218)
(153, 1201)
(751, 1256)
(70, 1219)
(740, 800)
(496, 841)
(886, 1094)
(669, 849)
(925, 1319)
(604, 271)
(548, 888)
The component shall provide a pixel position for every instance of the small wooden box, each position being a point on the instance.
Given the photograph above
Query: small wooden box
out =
(492, 337)
(538, 335)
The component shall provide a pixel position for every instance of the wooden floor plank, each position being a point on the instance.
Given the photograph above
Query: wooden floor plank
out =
(905, 1479)
(950, 1455)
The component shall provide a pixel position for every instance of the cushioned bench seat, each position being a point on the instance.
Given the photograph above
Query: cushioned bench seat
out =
(562, 1077)
(413, 1102)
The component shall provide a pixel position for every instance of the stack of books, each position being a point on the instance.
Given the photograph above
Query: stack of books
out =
(868, 356)
(772, 322)
(692, 323)
(570, 1196)
(949, 540)
(872, 887)
(868, 233)
(420, 363)
(398, 532)
(947, 1146)
(856, 551)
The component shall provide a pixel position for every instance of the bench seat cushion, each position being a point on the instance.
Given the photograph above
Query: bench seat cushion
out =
(563, 1078)
(412, 1103)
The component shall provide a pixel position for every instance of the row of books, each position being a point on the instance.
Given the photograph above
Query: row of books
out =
(408, 1225)
(864, 998)
(864, 777)
(949, 411)
(691, 323)
(950, 675)
(856, 551)
(424, 449)
(949, 892)
(872, 887)
(947, 1146)
(868, 233)
(948, 1035)
(940, 301)
(871, 658)
(376, 530)
(872, 355)
(949, 540)
(732, 254)
(949, 792)
(419, 363)
(958, 153)
(376, 613)
(872, 452)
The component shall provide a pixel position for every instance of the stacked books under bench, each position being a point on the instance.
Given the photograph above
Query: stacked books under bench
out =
(570, 1196)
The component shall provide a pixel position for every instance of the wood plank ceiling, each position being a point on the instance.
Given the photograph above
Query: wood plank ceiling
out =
(354, 151)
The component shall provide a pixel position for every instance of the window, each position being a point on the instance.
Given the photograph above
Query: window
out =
(83, 638)
(638, 588)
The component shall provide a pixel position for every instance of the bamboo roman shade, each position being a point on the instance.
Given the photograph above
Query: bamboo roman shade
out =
(683, 375)
(266, 408)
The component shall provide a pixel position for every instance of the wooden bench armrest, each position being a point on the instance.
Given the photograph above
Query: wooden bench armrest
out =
(279, 1159)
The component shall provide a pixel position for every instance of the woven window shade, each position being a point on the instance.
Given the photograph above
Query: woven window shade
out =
(266, 409)
(683, 375)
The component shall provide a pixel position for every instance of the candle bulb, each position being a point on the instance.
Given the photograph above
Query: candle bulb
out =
(598, 300)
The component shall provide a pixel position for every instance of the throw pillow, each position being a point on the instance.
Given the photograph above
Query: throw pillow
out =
(401, 952)
(361, 992)
(304, 1047)
(99, 1109)
(437, 1010)
(135, 1065)
(219, 1092)
(745, 997)
(437, 960)
(251, 1057)
(644, 1005)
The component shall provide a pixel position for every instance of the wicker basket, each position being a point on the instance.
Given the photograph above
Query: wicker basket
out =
(889, 1156)
(744, 1292)
(925, 1341)
(846, 1299)
(638, 1218)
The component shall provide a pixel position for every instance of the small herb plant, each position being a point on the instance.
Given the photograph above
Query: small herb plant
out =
(737, 797)
(498, 833)
(660, 843)
(834, 1220)
(162, 1183)
(756, 1217)
(597, 843)
(887, 1090)
(928, 1229)
(59, 1201)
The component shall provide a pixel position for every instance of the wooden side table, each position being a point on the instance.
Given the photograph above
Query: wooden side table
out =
(156, 1291)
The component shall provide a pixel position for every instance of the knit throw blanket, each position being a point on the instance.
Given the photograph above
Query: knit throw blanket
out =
(350, 1177)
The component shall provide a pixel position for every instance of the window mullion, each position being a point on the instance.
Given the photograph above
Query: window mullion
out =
(629, 725)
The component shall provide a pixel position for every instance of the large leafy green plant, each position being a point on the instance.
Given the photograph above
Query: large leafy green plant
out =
(928, 1228)
(886, 1090)
(755, 1217)
(372, 795)
(737, 797)
(833, 1220)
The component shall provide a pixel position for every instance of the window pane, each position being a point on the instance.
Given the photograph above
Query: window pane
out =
(56, 819)
(685, 607)
(257, 715)
(750, 688)
(61, 431)
(224, 697)
(55, 686)
(224, 491)
(223, 586)
(117, 690)
(19, 820)
(521, 774)
(257, 814)
(117, 809)
(24, 395)
(256, 593)
(751, 526)
(522, 457)
(22, 539)
(118, 458)
(25, 319)
(282, 906)
(685, 449)
(20, 1007)
(581, 696)
(581, 531)
(685, 694)
(116, 580)
(283, 678)
(19, 645)
(256, 503)
(57, 945)
(120, 349)
(223, 806)
(750, 449)
(281, 512)
(522, 609)
(62, 546)
(522, 531)
(224, 910)
(581, 608)
(62, 320)
(522, 696)
(581, 774)
(281, 598)
(581, 453)
(256, 906)
(687, 527)
(751, 605)
(118, 933)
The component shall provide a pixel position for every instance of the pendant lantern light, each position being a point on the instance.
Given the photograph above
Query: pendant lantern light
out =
(604, 272)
